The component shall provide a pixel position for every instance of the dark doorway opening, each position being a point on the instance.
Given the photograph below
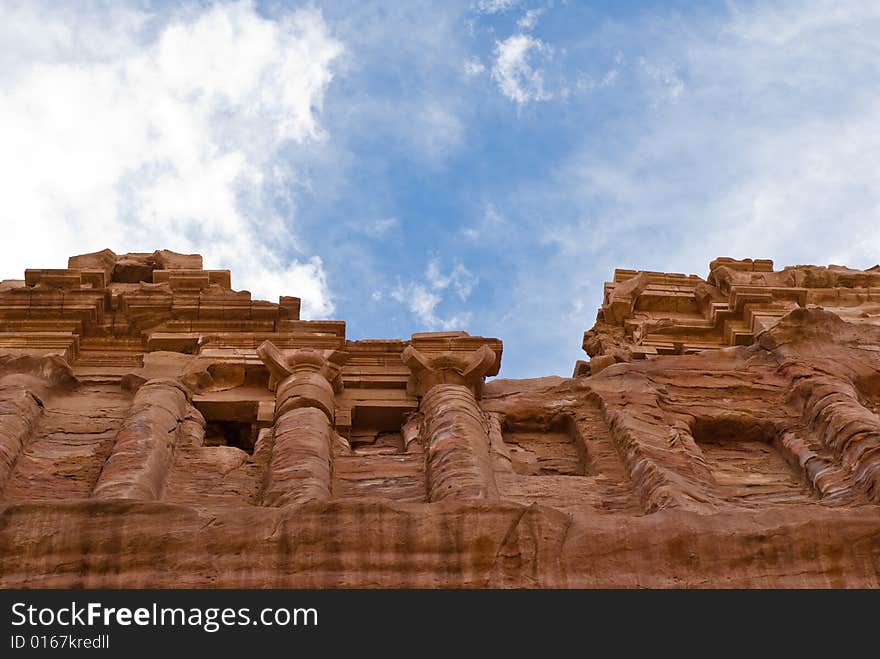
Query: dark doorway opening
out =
(239, 434)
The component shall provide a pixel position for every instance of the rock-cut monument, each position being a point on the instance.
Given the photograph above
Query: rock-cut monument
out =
(160, 429)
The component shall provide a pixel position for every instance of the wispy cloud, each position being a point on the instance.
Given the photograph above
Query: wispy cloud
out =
(459, 279)
(136, 131)
(491, 222)
(586, 82)
(422, 298)
(665, 83)
(474, 67)
(518, 78)
(530, 19)
(375, 228)
(422, 302)
(495, 6)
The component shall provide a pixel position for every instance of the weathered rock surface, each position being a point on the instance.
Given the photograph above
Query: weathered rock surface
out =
(158, 429)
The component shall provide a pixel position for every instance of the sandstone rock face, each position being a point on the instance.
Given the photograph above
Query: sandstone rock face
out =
(159, 429)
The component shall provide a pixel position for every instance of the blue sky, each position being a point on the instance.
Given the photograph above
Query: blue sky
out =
(414, 166)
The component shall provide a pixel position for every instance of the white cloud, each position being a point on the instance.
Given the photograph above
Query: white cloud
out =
(586, 82)
(666, 82)
(495, 6)
(422, 298)
(420, 301)
(460, 279)
(609, 77)
(474, 67)
(528, 20)
(124, 130)
(514, 72)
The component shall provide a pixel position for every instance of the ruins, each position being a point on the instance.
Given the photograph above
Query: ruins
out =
(160, 429)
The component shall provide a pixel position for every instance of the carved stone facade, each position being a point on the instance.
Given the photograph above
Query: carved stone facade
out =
(159, 429)
(645, 314)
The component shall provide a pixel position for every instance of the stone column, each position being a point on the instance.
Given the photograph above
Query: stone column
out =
(141, 457)
(23, 383)
(457, 445)
(306, 382)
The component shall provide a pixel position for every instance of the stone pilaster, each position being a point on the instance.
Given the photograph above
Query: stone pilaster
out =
(301, 465)
(457, 444)
(142, 455)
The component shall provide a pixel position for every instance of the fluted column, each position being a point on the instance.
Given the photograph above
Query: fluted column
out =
(457, 444)
(141, 457)
(300, 469)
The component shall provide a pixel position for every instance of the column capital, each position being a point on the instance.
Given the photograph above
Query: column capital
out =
(283, 364)
(303, 377)
(464, 368)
